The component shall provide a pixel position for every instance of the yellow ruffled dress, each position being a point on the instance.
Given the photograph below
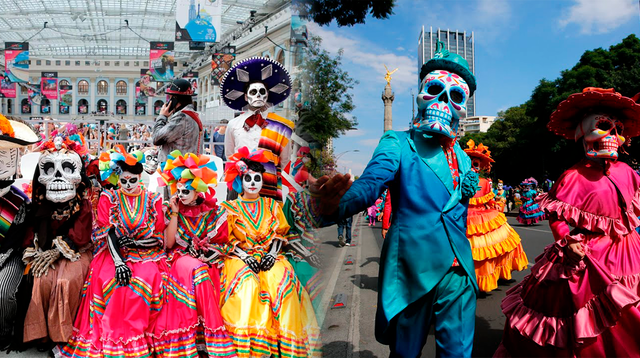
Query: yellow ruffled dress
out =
(495, 245)
(270, 312)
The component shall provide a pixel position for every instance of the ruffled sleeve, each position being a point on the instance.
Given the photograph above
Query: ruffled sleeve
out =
(159, 214)
(282, 227)
(99, 235)
(234, 235)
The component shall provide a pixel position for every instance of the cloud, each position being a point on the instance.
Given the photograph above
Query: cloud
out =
(372, 142)
(356, 167)
(599, 16)
(400, 49)
(369, 57)
(355, 133)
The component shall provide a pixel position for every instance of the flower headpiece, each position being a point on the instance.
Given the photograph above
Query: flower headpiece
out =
(481, 152)
(196, 171)
(63, 142)
(236, 167)
(530, 181)
(110, 170)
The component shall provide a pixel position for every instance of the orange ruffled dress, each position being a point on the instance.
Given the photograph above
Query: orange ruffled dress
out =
(495, 245)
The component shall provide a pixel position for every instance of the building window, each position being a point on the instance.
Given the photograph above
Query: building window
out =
(9, 106)
(126, 63)
(280, 58)
(45, 106)
(121, 107)
(116, 63)
(141, 109)
(83, 106)
(67, 63)
(87, 63)
(136, 63)
(38, 62)
(63, 83)
(103, 88)
(47, 62)
(83, 88)
(157, 105)
(25, 106)
(58, 63)
(96, 62)
(121, 88)
(77, 63)
(24, 90)
(145, 64)
(102, 106)
(107, 63)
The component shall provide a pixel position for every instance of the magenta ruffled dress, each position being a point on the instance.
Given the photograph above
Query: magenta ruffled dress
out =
(589, 310)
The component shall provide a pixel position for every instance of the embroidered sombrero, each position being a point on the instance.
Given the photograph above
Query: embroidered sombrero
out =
(271, 73)
(14, 134)
(571, 111)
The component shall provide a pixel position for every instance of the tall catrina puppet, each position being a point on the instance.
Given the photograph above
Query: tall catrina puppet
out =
(581, 298)
(59, 252)
(13, 208)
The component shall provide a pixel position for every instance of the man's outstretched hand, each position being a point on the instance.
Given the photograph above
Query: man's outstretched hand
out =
(330, 191)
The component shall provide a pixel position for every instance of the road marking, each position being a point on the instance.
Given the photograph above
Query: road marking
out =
(354, 325)
(530, 265)
(331, 285)
(526, 228)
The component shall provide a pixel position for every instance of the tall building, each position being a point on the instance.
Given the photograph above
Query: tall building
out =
(458, 42)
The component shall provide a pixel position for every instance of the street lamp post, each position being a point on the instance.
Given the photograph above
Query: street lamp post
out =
(343, 153)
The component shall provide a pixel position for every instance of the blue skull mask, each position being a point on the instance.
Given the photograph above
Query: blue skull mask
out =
(442, 102)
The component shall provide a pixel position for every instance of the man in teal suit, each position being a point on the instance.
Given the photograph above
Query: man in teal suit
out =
(427, 272)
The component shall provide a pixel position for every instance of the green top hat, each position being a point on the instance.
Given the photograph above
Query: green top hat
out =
(444, 60)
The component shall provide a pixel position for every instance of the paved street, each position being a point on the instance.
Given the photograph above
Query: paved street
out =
(349, 332)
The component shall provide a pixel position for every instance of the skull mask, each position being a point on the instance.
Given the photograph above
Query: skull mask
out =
(257, 95)
(186, 196)
(500, 186)
(8, 168)
(60, 174)
(252, 182)
(602, 135)
(150, 164)
(442, 103)
(129, 182)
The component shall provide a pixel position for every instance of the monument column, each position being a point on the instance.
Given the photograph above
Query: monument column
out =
(387, 98)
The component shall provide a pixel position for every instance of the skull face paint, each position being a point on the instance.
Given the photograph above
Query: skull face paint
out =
(130, 183)
(257, 95)
(500, 186)
(251, 182)
(60, 174)
(150, 164)
(442, 103)
(186, 196)
(8, 168)
(602, 135)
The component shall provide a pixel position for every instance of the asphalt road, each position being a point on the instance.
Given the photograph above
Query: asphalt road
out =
(349, 332)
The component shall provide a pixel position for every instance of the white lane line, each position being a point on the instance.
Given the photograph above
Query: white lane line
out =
(354, 325)
(526, 228)
(331, 285)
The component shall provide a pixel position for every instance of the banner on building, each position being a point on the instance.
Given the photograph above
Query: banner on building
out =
(7, 88)
(220, 64)
(66, 95)
(192, 77)
(198, 20)
(16, 59)
(196, 46)
(146, 86)
(49, 85)
(161, 59)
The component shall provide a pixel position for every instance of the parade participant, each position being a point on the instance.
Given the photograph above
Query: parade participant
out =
(426, 266)
(150, 160)
(495, 245)
(298, 170)
(265, 307)
(581, 298)
(372, 212)
(13, 208)
(124, 291)
(530, 212)
(178, 127)
(500, 195)
(254, 85)
(190, 319)
(58, 252)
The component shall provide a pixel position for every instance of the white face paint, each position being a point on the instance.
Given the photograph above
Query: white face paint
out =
(150, 161)
(186, 196)
(8, 167)
(500, 185)
(252, 182)
(257, 95)
(60, 174)
(602, 135)
(130, 183)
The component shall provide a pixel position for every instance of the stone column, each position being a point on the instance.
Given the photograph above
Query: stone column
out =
(387, 97)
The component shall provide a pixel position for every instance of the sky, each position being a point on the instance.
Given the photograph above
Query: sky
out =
(518, 43)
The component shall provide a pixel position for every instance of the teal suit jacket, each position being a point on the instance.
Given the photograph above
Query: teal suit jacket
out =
(429, 219)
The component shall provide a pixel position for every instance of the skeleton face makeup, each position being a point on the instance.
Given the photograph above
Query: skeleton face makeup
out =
(500, 185)
(602, 136)
(130, 183)
(475, 164)
(442, 102)
(257, 95)
(186, 196)
(150, 161)
(8, 167)
(252, 182)
(60, 174)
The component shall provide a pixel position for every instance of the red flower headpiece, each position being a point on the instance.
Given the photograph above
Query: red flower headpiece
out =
(236, 167)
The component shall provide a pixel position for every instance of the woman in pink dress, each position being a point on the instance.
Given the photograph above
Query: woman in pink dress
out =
(123, 292)
(581, 298)
(190, 319)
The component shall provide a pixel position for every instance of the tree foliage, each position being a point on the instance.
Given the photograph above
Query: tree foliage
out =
(519, 140)
(346, 13)
(326, 95)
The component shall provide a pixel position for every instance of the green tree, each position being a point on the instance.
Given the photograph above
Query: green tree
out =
(326, 96)
(346, 13)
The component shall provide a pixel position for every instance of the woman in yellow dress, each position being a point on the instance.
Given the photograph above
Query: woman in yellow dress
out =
(266, 309)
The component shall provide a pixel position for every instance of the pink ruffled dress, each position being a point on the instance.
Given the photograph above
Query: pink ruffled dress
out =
(588, 310)
(190, 320)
